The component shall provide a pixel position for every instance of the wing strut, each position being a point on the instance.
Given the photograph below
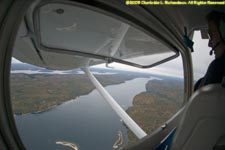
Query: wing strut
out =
(119, 38)
(115, 106)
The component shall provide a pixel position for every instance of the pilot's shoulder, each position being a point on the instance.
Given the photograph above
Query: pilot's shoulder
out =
(216, 67)
(218, 63)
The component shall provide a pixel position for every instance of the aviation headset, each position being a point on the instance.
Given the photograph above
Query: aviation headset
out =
(221, 28)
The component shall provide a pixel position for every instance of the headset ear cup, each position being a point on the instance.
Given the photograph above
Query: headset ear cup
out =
(222, 29)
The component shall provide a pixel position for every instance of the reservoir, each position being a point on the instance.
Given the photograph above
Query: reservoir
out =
(87, 121)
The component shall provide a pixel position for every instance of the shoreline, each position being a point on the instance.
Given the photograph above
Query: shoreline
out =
(45, 110)
(39, 111)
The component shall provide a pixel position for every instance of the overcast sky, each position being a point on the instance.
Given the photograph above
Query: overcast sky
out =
(200, 57)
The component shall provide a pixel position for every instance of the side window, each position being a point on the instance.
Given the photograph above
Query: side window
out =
(55, 102)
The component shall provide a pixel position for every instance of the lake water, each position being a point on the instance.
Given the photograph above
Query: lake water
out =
(87, 121)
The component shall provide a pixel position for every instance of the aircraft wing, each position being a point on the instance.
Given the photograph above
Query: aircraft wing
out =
(61, 36)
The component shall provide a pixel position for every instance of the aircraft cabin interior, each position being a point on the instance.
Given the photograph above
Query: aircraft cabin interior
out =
(101, 74)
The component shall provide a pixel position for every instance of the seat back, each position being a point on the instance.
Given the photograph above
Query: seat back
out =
(202, 126)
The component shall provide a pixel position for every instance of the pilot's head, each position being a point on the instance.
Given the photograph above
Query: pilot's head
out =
(216, 30)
